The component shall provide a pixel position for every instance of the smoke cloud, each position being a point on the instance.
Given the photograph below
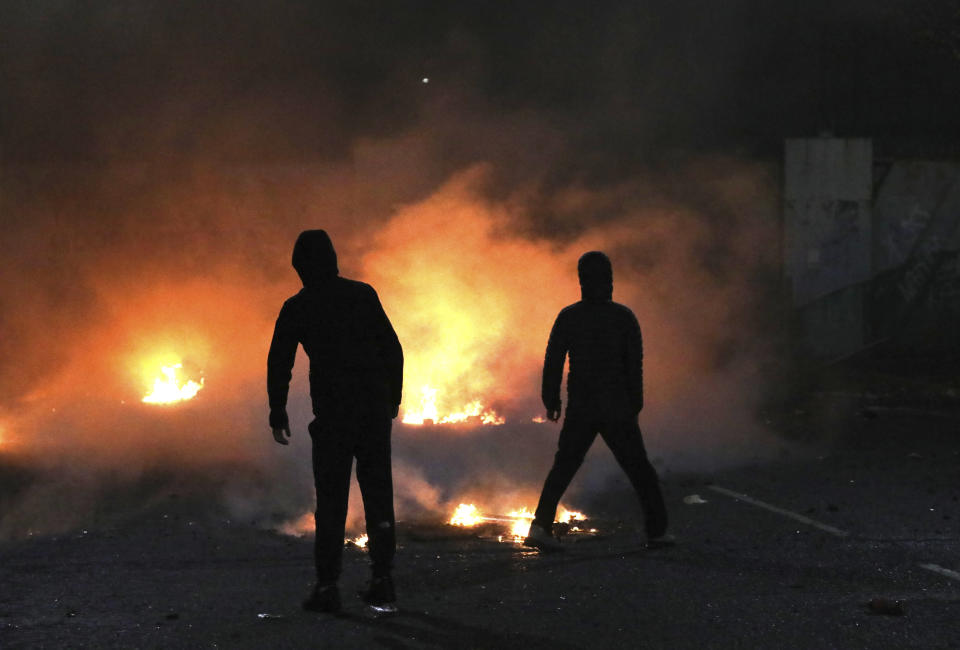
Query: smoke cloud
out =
(155, 226)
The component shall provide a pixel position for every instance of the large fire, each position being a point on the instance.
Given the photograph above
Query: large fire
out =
(428, 413)
(170, 388)
(460, 291)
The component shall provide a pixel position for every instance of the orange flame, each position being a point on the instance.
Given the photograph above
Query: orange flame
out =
(428, 412)
(360, 541)
(468, 515)
(170, 389)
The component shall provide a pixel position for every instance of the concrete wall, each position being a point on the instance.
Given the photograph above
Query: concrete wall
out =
(868, 265)
(916, 219)
(828, 187)
(910, 194)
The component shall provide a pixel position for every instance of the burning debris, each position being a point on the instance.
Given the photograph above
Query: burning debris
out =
(473, 413)
(170, 388)
(466, 515)
(517, 522)
(511, 527)
(359, 542)
(304, 525)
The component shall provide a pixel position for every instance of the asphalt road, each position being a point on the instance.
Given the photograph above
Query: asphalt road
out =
(827, 528)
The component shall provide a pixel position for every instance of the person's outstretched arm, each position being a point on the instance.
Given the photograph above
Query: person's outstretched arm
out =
(553, 369)
(283, 352)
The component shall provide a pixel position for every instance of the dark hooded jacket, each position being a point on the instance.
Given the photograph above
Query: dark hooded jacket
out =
(356, 362)
(605, 345)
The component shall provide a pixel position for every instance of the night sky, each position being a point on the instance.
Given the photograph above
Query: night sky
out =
(626, 82)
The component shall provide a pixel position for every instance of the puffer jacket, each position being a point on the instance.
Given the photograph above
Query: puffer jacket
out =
(605, 345)
(356, 361)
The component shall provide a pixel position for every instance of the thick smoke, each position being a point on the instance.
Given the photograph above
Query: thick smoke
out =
(472, 284)
(156, 224)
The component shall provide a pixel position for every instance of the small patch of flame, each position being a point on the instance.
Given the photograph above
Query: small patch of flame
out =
(519, 519)
(170, 389)
(428, 412)
(539, 419)
(566, 516)
(305, 524)
(466, 514)
(522, 513)
(520, 529)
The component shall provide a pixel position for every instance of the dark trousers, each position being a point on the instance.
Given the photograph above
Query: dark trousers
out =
(625, 441)
(335, 445)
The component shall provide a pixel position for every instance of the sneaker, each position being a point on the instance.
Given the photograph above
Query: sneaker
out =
(542, 539)
(662, 541)
(379, 592)
(325, 598)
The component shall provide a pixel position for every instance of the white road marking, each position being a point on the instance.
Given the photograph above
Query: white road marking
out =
(936, 568)
(780, 511)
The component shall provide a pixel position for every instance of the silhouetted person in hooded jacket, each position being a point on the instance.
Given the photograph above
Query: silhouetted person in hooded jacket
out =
(356, 377)
(604, 395)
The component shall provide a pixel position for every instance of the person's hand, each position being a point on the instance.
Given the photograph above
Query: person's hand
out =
(279, 433)
(396, 411)
(553, 414)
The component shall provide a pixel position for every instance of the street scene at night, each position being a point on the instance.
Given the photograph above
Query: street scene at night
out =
(475, 325)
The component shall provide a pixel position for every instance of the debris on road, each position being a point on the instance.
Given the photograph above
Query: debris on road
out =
(694, 499)
(381, 611)
(269, 617)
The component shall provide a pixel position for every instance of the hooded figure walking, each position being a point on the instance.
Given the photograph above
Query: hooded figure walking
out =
(356, 378)
(604, 395)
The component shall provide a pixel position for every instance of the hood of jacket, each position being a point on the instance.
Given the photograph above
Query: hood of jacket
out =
(596, 276)
(314, 258)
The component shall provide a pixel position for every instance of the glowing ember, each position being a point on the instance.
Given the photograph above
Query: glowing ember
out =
(170, 389)
(539, 419)
(428, 412)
